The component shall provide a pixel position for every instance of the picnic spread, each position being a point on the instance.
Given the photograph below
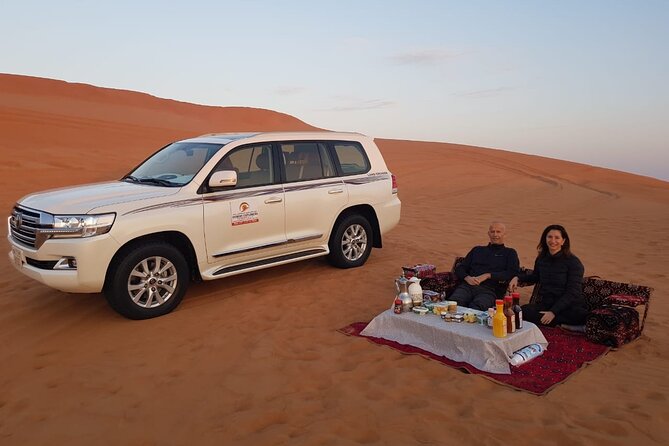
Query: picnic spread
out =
(422, 320)
(472, 343)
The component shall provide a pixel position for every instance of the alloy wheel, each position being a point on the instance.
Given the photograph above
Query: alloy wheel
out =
(354, 242)
(152, 282)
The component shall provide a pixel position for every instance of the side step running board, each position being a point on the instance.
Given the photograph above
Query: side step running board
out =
(264, 262)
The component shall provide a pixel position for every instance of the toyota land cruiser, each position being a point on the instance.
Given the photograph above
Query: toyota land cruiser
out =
(206, 208)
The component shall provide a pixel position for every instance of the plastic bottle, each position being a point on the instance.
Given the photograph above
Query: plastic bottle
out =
(397, 305)
(491, 314)
(517, 310)
(510, 315)
(499, 320)
(526, 353)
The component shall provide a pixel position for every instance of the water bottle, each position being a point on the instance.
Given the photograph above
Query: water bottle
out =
(526, 353)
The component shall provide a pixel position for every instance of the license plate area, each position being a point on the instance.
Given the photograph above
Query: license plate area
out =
(19, 259)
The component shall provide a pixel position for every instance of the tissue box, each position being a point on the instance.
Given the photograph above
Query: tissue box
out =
(420, 270)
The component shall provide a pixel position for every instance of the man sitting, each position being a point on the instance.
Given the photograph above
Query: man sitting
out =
(486, 271)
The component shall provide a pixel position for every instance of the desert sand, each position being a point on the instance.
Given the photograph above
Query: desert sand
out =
(256, 359)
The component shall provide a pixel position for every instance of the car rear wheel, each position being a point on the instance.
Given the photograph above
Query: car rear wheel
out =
(149, 281)
(351, 242)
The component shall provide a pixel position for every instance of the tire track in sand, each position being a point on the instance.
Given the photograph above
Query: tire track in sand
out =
(531, 172)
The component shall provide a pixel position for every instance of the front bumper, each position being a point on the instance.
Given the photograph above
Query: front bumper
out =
(92, 254)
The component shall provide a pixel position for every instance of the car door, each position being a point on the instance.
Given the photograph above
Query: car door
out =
(247, 221)
(314, 194)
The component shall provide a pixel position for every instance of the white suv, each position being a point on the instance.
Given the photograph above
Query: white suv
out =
(206, 208)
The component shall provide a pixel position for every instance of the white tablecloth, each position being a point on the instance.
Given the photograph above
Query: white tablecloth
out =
(463, 342)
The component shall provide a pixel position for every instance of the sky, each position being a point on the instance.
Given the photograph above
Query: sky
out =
(583, 81)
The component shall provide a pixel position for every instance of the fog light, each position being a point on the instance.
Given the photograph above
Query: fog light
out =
(66, 263)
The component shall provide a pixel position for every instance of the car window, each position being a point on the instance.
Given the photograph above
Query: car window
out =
(352, 158)
(253, 164)
(175, 164)
(306, 161)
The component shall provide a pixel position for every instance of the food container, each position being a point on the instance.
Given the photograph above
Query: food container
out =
(470, 317)
(458, 317)
(483, 319)
(447, 317)
(422, 311)
(452, 306)
(431, 296)
(439, 308)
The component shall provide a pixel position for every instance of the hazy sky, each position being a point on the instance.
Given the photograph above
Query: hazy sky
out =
(578, 80)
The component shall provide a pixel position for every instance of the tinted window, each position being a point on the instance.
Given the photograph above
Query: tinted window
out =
(253, 164)
(306, 161)
(352, 158)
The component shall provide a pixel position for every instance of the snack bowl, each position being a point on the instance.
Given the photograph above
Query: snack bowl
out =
(422, 311)
(458, 317)
(447, 317)
(439, 308)
(470, 317)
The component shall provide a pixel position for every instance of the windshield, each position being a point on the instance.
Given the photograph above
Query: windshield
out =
(175, 165)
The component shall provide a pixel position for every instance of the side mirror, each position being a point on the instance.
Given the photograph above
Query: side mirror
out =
(223, 178)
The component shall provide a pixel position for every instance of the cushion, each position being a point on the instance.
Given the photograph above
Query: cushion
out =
(441, 283)
(613, 326)
(626, 300)
(596, 291)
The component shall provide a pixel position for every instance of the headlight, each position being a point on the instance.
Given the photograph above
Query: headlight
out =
(65, 226)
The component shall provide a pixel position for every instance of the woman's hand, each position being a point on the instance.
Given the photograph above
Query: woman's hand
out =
(547, 317)
(513, 284)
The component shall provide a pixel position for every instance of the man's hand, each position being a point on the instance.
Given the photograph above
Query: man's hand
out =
(477, 280)
(513, 284)
(473, 281)
(483, 277)
(547, 317)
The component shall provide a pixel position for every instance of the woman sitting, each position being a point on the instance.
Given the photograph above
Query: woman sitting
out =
(560, 276)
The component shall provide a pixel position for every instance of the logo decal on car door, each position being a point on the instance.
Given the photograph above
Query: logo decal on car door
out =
(248, 213)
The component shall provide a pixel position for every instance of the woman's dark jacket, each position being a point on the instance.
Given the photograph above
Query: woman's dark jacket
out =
(560, 278)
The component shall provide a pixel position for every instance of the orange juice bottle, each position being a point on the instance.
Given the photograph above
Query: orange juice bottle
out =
(499, 320)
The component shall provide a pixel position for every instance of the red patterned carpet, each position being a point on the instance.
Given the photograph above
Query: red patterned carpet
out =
(567, 353)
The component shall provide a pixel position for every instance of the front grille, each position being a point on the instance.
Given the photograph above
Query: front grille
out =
(24, 224)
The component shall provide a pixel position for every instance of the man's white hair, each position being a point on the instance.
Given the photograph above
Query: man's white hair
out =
(497, 223)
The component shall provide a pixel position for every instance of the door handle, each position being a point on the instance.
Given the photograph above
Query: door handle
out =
(335, 191)
(273, 200)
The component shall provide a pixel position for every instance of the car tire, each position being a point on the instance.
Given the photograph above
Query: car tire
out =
(350, 242)
(149, 280)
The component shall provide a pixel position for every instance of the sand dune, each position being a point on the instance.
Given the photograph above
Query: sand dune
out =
(256, 359)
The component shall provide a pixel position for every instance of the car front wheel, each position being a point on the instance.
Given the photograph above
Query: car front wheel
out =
(149, 281)
(351, 242)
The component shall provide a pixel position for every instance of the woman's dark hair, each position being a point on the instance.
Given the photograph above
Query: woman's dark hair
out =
(542, 247)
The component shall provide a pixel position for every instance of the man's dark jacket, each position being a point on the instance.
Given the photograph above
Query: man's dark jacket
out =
(498, 260)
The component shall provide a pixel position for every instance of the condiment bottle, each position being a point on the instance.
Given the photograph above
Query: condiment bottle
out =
(491, 314)
(517, 310)
(499, 320)
(397, 305)
(510, 315)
